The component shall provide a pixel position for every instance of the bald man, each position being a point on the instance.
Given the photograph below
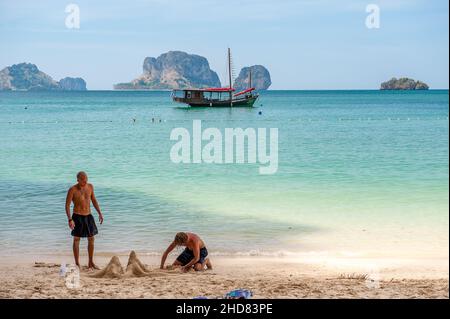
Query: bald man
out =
(81, 222)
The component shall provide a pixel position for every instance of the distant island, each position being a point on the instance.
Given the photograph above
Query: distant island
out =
(27, 77)
(72, 84)
(260, 78)
(180, 70)
(403, 84)
(173, 70)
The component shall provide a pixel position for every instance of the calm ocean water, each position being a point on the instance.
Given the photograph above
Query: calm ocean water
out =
(360, 172)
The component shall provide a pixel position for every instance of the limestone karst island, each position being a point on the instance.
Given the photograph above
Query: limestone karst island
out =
(180, 70)
(27, 77)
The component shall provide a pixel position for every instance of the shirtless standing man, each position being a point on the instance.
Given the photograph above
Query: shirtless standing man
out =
(82, 222)
(195, 255)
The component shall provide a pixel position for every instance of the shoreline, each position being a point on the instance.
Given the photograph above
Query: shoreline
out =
(267, 277)
(402, 268)
(406, 266)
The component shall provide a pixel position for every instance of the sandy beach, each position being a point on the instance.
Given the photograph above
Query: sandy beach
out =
(272, 277)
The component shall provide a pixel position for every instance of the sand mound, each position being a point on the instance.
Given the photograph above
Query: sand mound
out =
(112, 270)
(135, 268)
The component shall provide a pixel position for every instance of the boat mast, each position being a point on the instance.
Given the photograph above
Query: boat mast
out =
(229, 66)
(250, 78)
(229, 76)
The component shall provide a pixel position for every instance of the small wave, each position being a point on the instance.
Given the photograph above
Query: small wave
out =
(248, 253)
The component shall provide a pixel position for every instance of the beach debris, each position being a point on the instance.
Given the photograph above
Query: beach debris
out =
(63, 270)
(354, 276)
(72, 277)
(239, 294)
(234, 294)
(45, 265)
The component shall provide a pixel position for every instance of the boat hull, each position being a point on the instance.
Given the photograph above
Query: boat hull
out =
(248, 102)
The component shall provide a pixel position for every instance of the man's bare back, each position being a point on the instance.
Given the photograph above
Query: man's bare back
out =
(193, 241)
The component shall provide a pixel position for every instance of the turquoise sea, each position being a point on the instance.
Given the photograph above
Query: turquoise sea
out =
(360, 172)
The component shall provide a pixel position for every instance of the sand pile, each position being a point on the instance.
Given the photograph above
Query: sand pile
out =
(112, 270)
(135, 268)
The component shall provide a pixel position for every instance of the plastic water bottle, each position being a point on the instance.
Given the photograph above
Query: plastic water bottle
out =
(63, 270)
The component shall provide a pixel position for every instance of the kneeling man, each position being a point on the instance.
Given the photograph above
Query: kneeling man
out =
(194, 255)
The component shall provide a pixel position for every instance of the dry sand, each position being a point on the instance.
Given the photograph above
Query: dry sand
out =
(266, 277)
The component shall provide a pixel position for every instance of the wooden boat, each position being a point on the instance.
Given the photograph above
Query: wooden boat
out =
(217, 97)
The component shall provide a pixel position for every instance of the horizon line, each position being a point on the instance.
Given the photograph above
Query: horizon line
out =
(272, 90)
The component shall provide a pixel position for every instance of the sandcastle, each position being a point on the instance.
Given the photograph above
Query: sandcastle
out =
(135, 268)
(113, 270)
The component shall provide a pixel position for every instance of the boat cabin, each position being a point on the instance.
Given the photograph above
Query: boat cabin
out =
(189, 96)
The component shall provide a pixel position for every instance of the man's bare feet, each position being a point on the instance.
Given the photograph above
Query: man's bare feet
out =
(93, 266)
(208, 264)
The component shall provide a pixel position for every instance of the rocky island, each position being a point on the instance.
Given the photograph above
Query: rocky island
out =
(27, 77)
(403, 84)
(173, 70)
(260, 78)
(72, 84)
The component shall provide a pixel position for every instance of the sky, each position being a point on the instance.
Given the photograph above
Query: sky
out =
(305, 45)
